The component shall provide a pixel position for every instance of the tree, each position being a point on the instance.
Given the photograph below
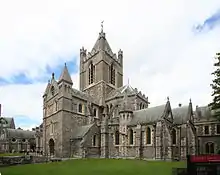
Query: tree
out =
(215, 104)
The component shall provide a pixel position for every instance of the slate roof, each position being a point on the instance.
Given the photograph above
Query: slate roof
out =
(47, 88)
(20, 134)
(180, 114)
(81, 131)
(120, 92)
(65, 76)
(203, 112)
(102, 44)
(83, 95)
(148, 115)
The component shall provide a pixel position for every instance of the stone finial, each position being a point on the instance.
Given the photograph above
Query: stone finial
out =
(190, 101)
(102, 26)
(168, 99)
(83, 52)
(136, 90)
(120, 55)
(53, 75)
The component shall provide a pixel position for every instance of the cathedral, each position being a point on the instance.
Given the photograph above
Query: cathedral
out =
(107, 119)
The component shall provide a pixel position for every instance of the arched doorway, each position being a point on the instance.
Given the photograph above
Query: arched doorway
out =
(210, 148)
(51, 146)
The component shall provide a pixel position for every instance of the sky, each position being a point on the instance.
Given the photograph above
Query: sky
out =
(168, 45)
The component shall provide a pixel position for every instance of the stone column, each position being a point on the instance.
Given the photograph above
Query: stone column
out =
(158, 137)
(138, 141)
(104, 139)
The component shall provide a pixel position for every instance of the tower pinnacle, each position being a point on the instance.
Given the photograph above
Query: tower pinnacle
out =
(102, 26)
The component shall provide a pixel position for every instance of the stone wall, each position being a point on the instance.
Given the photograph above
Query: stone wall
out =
(20, 160)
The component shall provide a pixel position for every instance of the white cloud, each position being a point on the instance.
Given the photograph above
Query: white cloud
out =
(26, 100)
(162, 57)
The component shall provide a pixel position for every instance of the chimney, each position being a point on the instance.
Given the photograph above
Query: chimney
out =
(0, 110)
(180, 104)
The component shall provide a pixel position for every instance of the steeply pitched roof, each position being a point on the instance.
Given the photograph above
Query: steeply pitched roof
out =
(65, 76)
(81, 131)
(84, 96)
(180, 114)
(47, 88)
(120, 92)
(148, 115)
(102, 44)
(203, 112)
(20, 134)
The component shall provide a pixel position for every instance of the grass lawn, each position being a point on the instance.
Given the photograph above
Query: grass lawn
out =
(95, 167)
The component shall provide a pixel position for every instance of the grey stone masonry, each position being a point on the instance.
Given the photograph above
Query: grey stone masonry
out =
(105, 118)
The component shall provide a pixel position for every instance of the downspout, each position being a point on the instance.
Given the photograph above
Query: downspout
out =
(187, 139)
(155, 154)
(180, 143)
(140, 149)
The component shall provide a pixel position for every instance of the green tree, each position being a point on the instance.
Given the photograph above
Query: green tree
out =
(215, 104)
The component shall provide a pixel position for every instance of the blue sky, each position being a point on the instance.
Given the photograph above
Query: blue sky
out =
(168, 48)
(22, 78)
(210, 23)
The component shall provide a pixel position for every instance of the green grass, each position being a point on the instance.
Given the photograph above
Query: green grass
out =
(95, 167)
(11, 154)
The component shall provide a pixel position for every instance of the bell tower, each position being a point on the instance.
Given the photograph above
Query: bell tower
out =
(101, 70)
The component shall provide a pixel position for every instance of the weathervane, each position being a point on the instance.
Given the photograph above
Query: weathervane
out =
(102, 26)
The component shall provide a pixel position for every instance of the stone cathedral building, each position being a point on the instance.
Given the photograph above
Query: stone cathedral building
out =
(105, 118)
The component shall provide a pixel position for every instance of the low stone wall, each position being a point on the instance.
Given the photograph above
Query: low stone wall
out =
(14, 160)
(21, 160)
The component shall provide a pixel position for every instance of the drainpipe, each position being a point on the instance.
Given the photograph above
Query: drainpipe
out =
(180, 143)
(141, 147)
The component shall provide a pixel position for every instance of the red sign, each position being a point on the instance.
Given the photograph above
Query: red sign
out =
(205, 158)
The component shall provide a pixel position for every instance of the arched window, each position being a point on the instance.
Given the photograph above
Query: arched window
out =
(209, 148)
(80, 108)
(91, 73)
(148, 135)
(174, 136)
(131, 139)
(94, 112)
(112, 74)
(52, 90)
(94, 140)
(107, 109)
(140, 105)
(117, 138)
